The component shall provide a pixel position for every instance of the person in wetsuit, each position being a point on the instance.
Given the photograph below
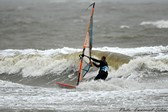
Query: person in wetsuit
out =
(103, 65)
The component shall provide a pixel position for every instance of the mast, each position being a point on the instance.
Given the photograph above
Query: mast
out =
(87, 47)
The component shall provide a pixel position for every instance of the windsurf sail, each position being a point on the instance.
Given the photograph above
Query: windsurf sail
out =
(85, 62)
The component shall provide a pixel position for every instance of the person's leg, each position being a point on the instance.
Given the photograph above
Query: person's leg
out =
(97, 77)
(104, 76)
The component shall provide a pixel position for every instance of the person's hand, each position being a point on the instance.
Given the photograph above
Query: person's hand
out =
(81, 55)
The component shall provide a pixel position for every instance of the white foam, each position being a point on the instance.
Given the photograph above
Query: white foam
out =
(9, 84)
(139, 74)
(33, 66)
(58, 1)
(158, 24)
(121, 84)
(75, 100)
(67, 50)
(124, 26)
(141, 64)
(59, 51)
(43, 62)
(135, 51)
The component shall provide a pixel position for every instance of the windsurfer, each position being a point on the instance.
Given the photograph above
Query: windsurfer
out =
(103, 65)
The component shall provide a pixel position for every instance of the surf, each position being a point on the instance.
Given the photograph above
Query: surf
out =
(45, 67)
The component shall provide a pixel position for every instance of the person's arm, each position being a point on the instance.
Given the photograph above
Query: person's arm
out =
(95, 60)
(96, 65)
(82, 55)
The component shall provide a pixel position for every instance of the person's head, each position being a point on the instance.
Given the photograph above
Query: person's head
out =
(103, 58)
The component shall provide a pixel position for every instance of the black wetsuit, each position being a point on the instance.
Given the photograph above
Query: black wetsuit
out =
(103, 72)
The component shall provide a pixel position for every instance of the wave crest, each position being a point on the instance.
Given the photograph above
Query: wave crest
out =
(158, 24)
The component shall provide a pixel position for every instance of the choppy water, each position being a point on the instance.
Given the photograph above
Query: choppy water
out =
(40, 42)
(53, 24)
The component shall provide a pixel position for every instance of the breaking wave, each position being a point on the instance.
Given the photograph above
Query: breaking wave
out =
(143, 67)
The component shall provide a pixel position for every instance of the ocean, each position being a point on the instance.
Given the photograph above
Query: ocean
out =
(40, 43)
